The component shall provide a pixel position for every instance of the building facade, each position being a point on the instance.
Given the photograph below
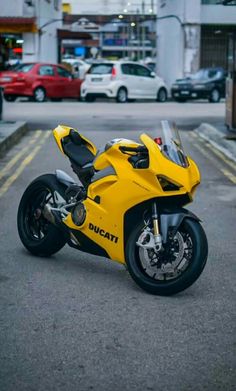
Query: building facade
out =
(111, 36)
(28, 30)
(109, 7)
(192, 34)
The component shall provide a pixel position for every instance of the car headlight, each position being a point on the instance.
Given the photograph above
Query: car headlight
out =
(175, 85)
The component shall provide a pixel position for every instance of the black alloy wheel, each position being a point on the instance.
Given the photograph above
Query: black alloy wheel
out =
(177, 266)
(37, 234)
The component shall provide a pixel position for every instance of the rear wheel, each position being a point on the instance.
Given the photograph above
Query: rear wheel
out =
(39, 94)
(175, 267)
(122, 95)
(10, 98)
(162, 95)
(37, 234)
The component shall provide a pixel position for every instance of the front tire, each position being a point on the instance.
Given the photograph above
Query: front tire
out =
(154, 277)
(37, 234)
(162, 95)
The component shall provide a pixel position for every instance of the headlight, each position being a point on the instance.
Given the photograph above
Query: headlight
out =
(199, 86)
(175, 85)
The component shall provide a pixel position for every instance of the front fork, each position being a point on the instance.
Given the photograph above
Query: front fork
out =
(156, 231)
(150, 240)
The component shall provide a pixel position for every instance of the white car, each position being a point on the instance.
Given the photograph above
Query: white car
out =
(122, 80)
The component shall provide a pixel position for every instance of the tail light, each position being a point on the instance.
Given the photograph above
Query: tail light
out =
(113, 73)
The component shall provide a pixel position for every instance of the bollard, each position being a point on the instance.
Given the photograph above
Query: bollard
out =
(1, 102)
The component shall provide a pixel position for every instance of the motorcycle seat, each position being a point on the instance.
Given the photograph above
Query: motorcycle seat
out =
(76, 149)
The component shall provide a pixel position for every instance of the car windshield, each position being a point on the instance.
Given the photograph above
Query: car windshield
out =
(23, 68)
(172, 147)
(206, 74)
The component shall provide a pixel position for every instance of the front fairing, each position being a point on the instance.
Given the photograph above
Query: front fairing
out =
(186, 178)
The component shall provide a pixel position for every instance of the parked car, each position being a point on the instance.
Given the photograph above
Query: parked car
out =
(207, 83)
(39, 81)
(122, 81)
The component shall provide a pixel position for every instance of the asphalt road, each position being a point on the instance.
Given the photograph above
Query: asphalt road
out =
(109, 116)
(78, 322)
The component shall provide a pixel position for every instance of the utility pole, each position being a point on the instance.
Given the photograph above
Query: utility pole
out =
(143, 29)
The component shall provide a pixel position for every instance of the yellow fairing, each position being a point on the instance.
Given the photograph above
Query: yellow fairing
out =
(62, 131)
(125, 188)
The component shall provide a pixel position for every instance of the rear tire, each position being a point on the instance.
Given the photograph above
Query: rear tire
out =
(214, 96)
(39, 94)
(38, 235)
(10, 98)
(122, 95)
(185, 278)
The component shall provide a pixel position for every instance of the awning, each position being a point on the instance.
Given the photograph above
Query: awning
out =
(16, 25)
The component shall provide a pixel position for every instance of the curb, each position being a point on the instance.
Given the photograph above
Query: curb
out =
(10, 134)
(218, 140)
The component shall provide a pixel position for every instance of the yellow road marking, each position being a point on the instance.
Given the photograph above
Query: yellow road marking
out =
(215, 151)
(15, 159)
(23, 165)
(227, 173)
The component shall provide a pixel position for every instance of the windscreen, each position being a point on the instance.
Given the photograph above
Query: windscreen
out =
(172, 147)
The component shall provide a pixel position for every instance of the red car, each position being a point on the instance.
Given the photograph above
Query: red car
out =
(39, 81)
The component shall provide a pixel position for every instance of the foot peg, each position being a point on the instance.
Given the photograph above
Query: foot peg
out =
(75, 192)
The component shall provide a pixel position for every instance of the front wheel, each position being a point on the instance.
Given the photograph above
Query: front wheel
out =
(162, 95)
(37, 234)
(177, 266)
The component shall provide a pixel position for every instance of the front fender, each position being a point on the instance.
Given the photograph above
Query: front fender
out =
(173, 219)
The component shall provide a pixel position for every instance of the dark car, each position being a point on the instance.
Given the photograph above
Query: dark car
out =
(207, 83)
(40, 81)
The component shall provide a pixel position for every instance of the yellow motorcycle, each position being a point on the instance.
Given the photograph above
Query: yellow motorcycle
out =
(127, 207)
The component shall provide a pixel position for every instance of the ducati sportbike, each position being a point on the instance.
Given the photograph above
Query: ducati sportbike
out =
(128, 205)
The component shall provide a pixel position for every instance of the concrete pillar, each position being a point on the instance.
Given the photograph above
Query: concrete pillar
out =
(178, 40)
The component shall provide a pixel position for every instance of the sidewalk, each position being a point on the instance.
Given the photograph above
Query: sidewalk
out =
(10, 134)
(219, 138)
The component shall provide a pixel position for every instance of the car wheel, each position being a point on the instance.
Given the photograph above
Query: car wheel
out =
(122, 95)
(162, 95)
(90, 98)
(214, 96)
(10, 98)
(39, 94)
